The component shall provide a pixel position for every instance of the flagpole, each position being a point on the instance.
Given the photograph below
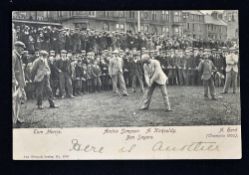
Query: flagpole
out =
(138, 21)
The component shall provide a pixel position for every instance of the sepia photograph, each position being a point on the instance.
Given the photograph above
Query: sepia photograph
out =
(88, 69)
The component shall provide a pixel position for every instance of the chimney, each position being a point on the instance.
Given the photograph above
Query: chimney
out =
(214, 14)
(217, 15)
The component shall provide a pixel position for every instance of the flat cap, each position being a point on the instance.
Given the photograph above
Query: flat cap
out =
(20, 44)
(63, 51)
(115, 51)
(43, 53)
(145, 56)
(232, 49)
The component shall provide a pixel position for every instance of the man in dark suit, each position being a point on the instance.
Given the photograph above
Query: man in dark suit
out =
(41, 74)
(207, 68)
(18, 81)
(136, 72)
(55, 72)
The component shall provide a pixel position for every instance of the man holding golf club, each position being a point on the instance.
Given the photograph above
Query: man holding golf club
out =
(154, 77)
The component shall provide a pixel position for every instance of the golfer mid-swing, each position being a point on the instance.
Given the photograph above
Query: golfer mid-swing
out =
(154, 76)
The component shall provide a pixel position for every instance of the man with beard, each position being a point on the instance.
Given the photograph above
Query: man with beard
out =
(154, 77)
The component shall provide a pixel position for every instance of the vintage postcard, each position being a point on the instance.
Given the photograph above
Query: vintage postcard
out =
(100, 85)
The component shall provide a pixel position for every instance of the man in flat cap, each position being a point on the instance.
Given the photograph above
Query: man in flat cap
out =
(154, 77)
(231, 71)
(207, 69)
(116, 72)
(18, 81)
(55, 72)
(41, 76)
(136, 71)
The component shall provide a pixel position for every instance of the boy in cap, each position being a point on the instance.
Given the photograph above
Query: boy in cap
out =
(41, 74)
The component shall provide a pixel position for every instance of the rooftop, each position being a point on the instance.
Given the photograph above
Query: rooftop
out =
(211, 20)
(193, 12)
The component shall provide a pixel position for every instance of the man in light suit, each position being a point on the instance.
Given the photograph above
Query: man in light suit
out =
(207, 69)
(41, 74)
(231, 71)
(154, 77)
(18, 81)
(116, 73)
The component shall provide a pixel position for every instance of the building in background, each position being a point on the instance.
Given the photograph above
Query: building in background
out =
(164, 22)
(158, 22)
(215, 27)
(231, 17)
(36, 18)
(194, 24)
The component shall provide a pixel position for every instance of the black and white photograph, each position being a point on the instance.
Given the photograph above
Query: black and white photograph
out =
(88, 69)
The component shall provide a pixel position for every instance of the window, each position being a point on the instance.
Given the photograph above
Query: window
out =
(120, 26)
(144, 28)
(185, 15)
(92, 14)
(233, 19)
(193, 17)
(199, 27)
(165, 12)
(188, 26)
(121, 14)
(145, 15)
(165, 30)
(131, 14)
(165, 15)
(193, 27)
(177, 17)
(106, 13)
(154, 16)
